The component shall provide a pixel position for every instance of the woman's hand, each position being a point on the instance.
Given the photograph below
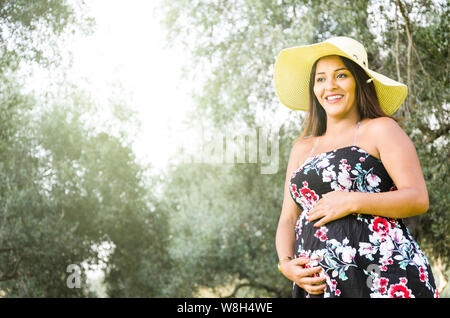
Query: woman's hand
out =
(332, 206)
(294, 270)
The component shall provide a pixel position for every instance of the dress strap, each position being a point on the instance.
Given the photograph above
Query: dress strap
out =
(313, 148)
(356, 133)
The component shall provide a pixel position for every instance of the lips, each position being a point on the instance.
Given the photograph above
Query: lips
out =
(334, 98)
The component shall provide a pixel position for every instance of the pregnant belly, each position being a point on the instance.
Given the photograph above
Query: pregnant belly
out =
(350, 230)
(310, 238)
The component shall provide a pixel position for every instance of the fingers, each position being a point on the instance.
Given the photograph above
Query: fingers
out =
(316, 290)
(321, 214)
(312, 284)
(315, 213)
(301, 261)
(294, 269)
(313, 280)
(321, 222)
(305, 275)
(310, 271)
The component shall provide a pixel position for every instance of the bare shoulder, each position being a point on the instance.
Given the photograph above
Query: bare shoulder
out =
(301, 148)
(383, 128)
(388, 135)
(381, 123)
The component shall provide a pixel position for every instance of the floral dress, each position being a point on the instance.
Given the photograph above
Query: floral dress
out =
(361, 255)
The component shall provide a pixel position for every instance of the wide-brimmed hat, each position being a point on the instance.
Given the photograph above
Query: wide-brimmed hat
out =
(292, 70)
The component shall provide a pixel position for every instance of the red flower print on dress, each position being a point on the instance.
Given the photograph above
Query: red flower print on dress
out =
(294, 190)
(380, 226)
(393, 223)
(383, 267)
(384, 281)
(389, 261)
(333, 288)
(308, 196)
(422, 276)
(298, 231)
(321, 234)
(399, 291)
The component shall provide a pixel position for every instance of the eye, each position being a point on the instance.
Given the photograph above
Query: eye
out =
(320, 79)
(341, 75)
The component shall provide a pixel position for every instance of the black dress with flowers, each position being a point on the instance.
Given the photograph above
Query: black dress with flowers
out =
(361, 255)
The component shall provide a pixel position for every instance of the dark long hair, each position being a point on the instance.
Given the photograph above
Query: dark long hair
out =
(365, 96)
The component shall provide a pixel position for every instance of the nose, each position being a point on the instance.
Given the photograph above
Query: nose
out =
(330, 84)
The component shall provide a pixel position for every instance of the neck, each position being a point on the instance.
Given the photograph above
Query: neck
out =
(339, 127)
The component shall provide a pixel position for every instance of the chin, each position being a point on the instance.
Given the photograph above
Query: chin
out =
(334, 111)
(338, 110)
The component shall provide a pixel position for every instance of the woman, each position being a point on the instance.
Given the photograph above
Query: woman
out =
(350, 182)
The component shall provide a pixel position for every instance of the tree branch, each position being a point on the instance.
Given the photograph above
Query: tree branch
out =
(11, 274)
(409, 52)
(6, 249)
(397, 41)
(441, 273)
(252, 283)
(432, 135)
(271, 289)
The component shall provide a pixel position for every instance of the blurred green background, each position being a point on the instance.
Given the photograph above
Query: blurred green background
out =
(75, 189)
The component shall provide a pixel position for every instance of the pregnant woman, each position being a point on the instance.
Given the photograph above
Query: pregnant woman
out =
(352, 175)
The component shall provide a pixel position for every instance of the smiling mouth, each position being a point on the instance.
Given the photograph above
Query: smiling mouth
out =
(334, 98)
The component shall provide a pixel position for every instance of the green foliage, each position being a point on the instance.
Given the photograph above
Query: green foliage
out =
(222, 227)
(235, 43)
(30, 30)
(70, 180)
(427, 120)
(68, 187)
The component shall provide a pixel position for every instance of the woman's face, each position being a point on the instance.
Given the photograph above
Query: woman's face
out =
(334, 87)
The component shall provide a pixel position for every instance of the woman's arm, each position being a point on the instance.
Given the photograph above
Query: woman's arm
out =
(400, 160)
(399, 157)
(285, 238)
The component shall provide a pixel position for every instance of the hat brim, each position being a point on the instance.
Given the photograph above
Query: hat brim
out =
(292, 71)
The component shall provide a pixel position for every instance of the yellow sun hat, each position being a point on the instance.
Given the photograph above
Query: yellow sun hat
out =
(293, 66)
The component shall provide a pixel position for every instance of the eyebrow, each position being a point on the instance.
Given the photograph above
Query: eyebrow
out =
(339, 69)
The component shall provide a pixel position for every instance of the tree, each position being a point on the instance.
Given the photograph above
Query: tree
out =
(30, 30)
(28, 219)
(70, 180)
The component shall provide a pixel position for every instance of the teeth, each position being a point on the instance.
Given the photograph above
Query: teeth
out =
(334, 97)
